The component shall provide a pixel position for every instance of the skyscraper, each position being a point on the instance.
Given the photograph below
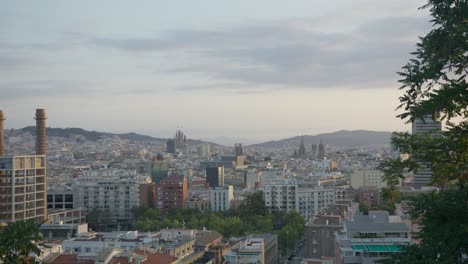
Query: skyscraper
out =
(422, 126)
(23, 179)
(171, 146)
(215, 176)
(321, 151)
(302, 150)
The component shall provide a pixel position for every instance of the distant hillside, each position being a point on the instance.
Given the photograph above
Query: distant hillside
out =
(94, 135)
(340, 139)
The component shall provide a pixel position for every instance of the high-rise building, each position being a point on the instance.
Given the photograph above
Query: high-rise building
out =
(23, 188)
(314, 152)
(221, 198)
(423, 126)
(215, 176)
(23, 179)
(321, 151)
(171, 146)
(115, 192)
(203, 150)
(172, 193)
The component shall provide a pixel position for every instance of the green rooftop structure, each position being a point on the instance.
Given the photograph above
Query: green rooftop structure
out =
(377, 248)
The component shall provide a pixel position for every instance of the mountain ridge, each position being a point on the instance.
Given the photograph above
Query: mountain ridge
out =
(341, 138)
(95, 135)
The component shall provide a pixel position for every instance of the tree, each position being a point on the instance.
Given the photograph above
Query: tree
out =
(435, 85)
(19, 240)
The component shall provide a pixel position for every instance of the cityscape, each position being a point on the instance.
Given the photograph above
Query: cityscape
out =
(198, 180)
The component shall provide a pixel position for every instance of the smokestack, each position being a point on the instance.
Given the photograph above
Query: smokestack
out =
(2, 134)
(41, 141)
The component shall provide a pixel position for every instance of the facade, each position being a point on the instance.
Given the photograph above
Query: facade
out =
(116, 193)
(281, 195)
(420, 127)
(271, 247)
(149, 195)
(311, 201)
(59, 199)
(320, 236)
(301, 153)
(215, 176)
(367, 178)
(171, 146)
(221, 198)
(172, 193)
(198, 202)
(251, 178)
(23, 188)
(321, 151)
(285, 195)
(368, 238)
(204, 150)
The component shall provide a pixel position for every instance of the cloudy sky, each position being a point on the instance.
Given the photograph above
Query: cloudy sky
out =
(261, 69)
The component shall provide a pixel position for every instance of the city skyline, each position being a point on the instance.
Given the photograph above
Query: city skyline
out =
(268, 70)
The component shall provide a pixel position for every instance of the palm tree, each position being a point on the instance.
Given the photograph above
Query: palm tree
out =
(19, 240)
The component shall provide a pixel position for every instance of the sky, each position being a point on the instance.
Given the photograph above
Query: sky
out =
(261, 70)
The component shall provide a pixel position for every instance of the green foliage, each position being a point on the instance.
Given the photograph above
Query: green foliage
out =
(250, 218)
(18, 240)
(435, 84)
(364, 208)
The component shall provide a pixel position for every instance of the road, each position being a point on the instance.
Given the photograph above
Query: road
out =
(298, 252)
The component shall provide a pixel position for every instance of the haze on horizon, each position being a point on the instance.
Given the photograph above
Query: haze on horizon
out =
(260, 70)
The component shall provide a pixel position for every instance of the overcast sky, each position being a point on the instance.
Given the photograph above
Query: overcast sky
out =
(262, 69)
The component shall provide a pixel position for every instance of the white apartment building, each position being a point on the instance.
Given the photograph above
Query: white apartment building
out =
(251, 177)
(115, 191)
(285, 195)
(368, 178)
(221, 198)
(312, 201)
(281, 195)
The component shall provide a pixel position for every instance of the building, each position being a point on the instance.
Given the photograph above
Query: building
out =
(422, 126)
(23, 179)
(59, 199)
(368, 178)
(251, 250)
(113, 191)
(321, 151)
(281, 195)
(251, 178)
(215, 176)
(314, 151)
(320, 236)
(312, 201)
(149, 195)
(204, 150)
(23, 188)
(285, 195)
(221, 198)
(271, 247)
(172, 193)
(367, 238)
(171, 146)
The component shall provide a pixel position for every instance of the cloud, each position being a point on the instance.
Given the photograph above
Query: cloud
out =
(45, 88)
(290, 53)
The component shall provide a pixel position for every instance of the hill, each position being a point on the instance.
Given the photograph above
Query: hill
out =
(339, 139)
(95, 135)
